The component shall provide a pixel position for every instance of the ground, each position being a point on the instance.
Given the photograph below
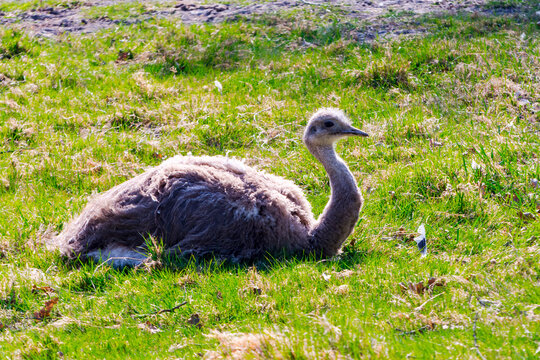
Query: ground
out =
(449, 96)
(382, 18)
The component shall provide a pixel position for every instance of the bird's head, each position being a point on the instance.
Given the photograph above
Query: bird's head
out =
(327, 126)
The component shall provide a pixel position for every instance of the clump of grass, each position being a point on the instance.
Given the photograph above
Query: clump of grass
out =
(289, 26)
(129, 118)
(387, 74)
(185, 52)
(12, 44)
(17, 133)
(427, 185)
(119, 12)
(479, 27)
(324, 34)
(504, 4)
(70, 4)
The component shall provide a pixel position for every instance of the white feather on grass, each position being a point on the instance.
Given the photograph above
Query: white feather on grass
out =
(475, 165)
(219, 86)
(421, 240)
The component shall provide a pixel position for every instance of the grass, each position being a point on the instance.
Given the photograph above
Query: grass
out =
(120, 11)
(27, 5)
(454, 122)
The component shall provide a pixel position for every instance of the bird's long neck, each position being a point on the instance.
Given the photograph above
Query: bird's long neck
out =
(341, 213)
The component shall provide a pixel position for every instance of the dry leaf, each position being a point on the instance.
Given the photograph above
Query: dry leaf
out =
(526, 216)
(246, 346)
(332, 332)
(432, 282)
(219, 296)
(344, 273)
(419, 287)
(256, 290)
(148, 326)
(256, 284)
(342, 289)
(151, 265)
(46, 310)
(45, 289)
(489, 303)
(195, 320)
(419, 308)
(434, 143)
(401, 233)
(175, 347)
(124, 55)
(186, 280)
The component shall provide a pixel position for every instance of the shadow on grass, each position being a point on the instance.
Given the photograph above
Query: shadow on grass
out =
(92, 276)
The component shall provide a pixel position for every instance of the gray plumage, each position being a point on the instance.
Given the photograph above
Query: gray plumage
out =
(216, 205)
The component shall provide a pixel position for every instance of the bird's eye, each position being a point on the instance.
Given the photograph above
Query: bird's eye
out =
(328, 124)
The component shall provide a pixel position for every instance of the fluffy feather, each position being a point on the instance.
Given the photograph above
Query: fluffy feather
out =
(216, 205)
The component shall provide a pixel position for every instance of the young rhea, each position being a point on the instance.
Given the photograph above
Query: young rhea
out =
(215, 205)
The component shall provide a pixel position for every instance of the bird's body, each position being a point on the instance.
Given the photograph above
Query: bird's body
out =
(216, 205)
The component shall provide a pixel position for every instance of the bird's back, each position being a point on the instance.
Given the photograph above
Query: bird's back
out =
(196, 204)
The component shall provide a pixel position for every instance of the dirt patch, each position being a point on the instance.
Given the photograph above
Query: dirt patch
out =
(382, 18)
(53, 21)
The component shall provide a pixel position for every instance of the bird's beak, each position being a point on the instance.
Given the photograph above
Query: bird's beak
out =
(352, 131)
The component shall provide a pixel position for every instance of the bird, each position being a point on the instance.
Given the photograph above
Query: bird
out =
(219, 206)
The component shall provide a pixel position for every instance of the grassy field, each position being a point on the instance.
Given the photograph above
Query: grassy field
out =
(454, 118)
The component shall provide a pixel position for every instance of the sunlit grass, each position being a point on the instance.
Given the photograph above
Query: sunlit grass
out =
(453, 118)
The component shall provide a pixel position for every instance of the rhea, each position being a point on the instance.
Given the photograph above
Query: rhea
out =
(220, 206)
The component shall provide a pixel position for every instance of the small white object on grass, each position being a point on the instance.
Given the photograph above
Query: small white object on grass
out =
(475, 165)
(421, 240)
(326, 276)
(219, 86)
(523, 102)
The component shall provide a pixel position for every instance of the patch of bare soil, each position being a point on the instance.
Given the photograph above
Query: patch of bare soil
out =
(383, 18)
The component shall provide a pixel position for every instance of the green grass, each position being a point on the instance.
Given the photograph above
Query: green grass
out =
(120, 11)
(503, 4)
(26, 5)
(82, 113)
